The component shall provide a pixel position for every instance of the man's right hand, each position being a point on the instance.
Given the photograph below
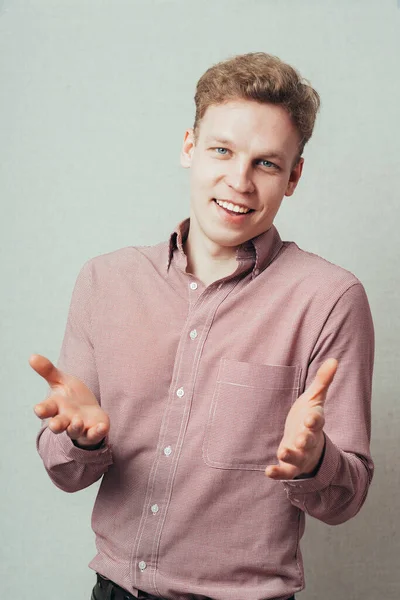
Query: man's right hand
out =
(71, 406)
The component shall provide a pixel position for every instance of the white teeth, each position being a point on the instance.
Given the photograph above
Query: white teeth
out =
(232, 207)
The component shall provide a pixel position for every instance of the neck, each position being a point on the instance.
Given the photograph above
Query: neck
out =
(206, 260)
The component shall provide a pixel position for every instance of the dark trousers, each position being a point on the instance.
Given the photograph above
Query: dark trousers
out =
(108, 590)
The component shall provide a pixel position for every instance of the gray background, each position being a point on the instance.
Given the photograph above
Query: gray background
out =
(94, 99)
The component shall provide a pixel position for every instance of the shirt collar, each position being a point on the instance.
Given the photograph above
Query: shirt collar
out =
(260, 250)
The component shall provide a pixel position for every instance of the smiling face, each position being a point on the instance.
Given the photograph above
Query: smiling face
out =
(242, 165)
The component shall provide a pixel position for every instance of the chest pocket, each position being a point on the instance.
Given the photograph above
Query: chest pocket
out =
(247, 414)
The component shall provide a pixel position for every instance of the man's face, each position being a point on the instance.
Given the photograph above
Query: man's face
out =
(242, 166)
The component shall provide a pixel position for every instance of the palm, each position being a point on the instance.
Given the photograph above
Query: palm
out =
(303, 439)
(73, 397)
(71, 406)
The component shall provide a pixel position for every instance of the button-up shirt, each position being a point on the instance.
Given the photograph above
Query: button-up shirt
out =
(197, 382)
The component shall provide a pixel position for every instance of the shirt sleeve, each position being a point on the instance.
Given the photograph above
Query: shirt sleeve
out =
(339, 488)
(69, 467)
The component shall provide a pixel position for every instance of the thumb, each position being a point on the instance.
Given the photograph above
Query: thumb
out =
(45, 368)
(322, 380)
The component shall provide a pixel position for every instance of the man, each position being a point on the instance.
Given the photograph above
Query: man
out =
(192, 369)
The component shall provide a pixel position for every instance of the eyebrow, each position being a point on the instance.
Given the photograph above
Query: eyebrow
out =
(263, 153)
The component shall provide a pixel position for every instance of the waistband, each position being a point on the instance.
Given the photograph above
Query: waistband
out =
(118, 593)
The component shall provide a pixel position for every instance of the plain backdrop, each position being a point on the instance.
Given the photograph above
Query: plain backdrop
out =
(95, 96)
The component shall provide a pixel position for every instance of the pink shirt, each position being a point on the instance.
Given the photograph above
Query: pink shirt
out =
(197, 382)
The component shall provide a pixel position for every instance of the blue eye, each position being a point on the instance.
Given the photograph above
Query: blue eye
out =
(267, 163)
(224, 151)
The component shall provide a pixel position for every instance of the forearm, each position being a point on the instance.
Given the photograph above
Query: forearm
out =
(71, 468)
(339, 489)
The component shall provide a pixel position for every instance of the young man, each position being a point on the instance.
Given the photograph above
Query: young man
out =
(192, 369)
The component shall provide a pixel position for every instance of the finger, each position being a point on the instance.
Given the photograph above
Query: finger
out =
(47, 408)
(282, 471)
(59, 423)
(322, 380)
(96, 433)
(76, 428)
(290, 456)
(45, 368)
(315, 420)
(305, 441)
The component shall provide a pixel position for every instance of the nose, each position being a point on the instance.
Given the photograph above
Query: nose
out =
(239, 179)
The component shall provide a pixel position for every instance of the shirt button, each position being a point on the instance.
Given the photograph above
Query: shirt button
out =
(193, 285)
(193, 334)
(155, 509)
(167, 450)
(142, 565)
(180, 393)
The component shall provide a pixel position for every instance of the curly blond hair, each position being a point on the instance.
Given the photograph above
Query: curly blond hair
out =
(263, 78)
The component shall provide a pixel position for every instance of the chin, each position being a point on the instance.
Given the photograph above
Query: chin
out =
(229, 239)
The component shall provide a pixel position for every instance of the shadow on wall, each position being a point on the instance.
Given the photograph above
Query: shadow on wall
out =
(4, 4)
(350, 555)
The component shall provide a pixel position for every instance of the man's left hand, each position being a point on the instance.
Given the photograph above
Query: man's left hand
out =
(303, 441)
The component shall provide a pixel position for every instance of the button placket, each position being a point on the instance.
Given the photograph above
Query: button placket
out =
(188, 355)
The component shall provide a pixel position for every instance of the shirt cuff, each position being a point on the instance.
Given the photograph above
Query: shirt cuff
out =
(322, 479)
(80, 455)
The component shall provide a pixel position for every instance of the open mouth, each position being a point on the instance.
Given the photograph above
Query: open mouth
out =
(233, 209)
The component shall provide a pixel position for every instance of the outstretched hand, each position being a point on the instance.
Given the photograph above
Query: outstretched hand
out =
(71, 406)
(303, 440)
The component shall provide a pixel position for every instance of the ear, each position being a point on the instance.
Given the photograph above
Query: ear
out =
(294, 177)
(187, 149)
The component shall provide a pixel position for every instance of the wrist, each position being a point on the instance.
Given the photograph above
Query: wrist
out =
(312, 472)
(89, 447)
